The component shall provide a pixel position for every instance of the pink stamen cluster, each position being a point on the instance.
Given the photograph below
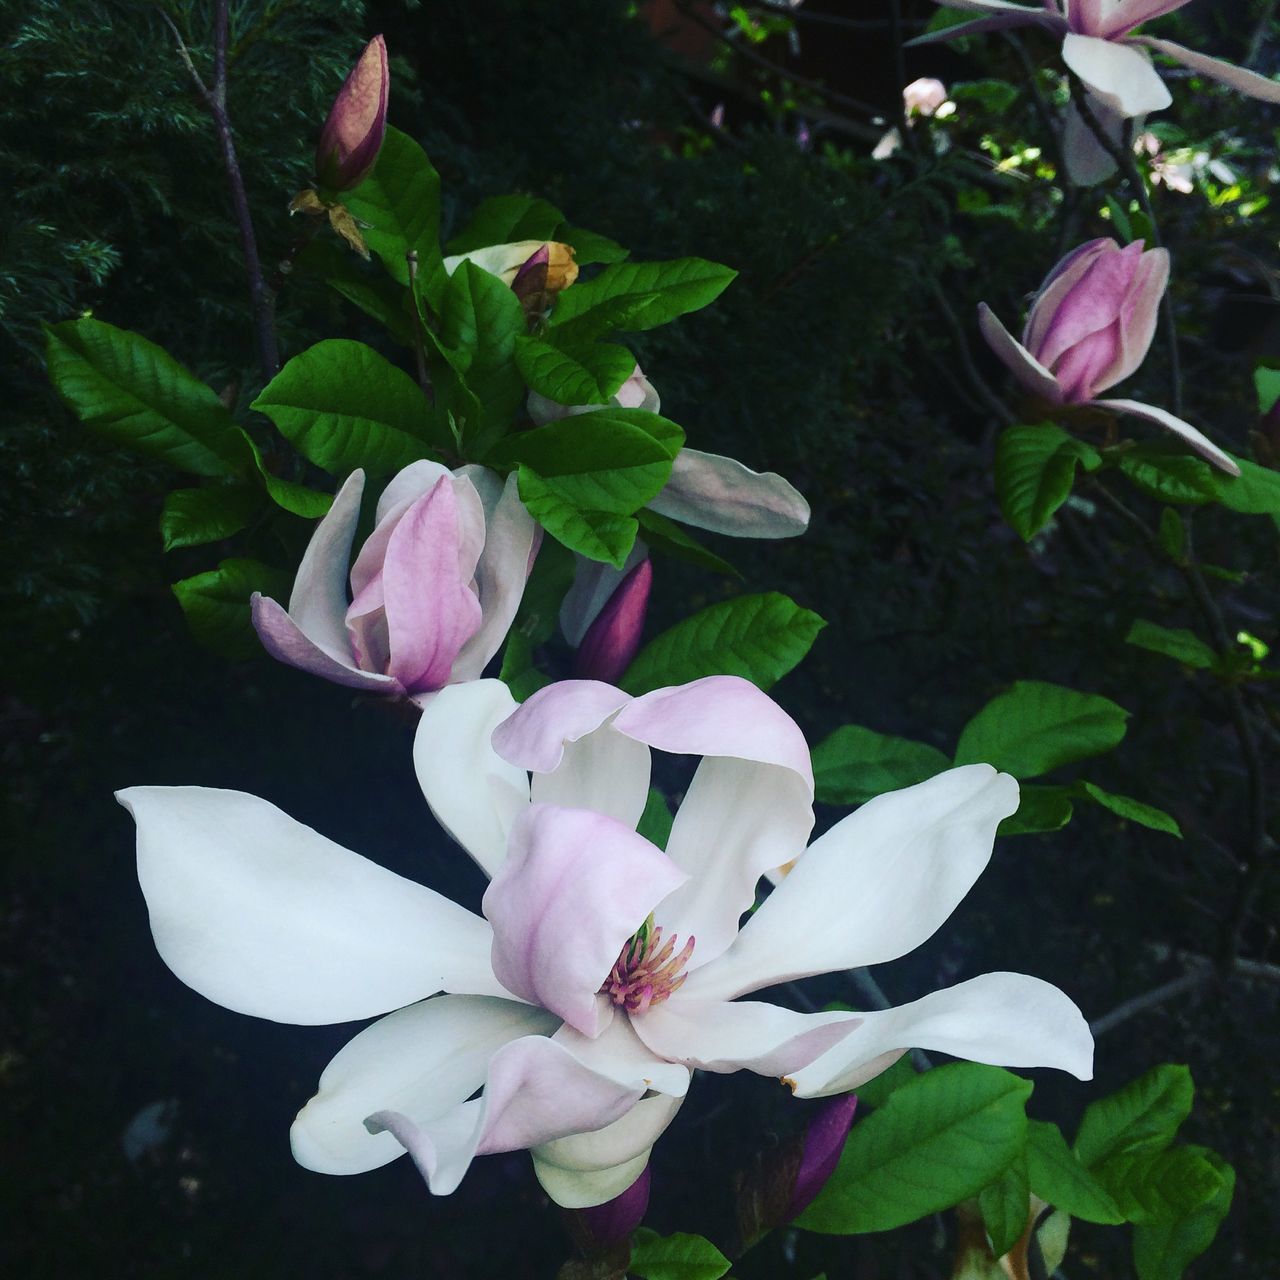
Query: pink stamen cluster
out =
(648, 970)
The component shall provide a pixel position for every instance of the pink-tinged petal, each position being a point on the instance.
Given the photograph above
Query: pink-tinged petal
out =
(1246, 82)
(1133, 13)
(1004, 1019)
(593, 585)
(268, 917)
(602, 1226)
(824, 1140)
(719, 494)
(574, 888)
(318, 602)
(357, 121)
(1117, 73)
(998, 17)
(1183, 430)
(1016, 358)
(1092, 306)
(1088, 162)
(535, 735)
(510, 544)
(536, 1092)
(614, 637)
(422, 1061)
(284, 640)
(473, 793)
(1139, 316)
(874, 887)
(431, 609)
(587, 1169)
(621, 1055)
(1057, 285)
(1084, 364)
(405, 488)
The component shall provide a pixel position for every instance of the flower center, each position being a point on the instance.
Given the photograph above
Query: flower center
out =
(648, 970)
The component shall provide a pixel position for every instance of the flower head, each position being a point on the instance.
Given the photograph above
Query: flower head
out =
(434, 588)
(357, 122)
(568, 1013)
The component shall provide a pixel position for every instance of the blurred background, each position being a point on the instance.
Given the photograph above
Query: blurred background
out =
(144, 1129)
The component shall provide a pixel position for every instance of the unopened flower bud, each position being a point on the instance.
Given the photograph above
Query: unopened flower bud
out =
(924, 96)
(612, 639)
(823, 1143)
(598, 1229)
(352, 135)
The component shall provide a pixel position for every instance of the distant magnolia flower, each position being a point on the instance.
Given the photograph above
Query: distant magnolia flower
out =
(1090, 327)
(357, 122)
(924, 96)
(604, 970)
(434, 588)
(512, 263)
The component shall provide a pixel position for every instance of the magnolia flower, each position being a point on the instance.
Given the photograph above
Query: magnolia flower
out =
(435, 586)
(604, 970)
(357, 121)
(507, 261)
(1090, 327)
(924, 96)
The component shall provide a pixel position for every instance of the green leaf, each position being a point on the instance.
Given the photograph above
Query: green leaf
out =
(1034, 471)
(192, 517)
(480, 321)
(297, 499)
(379, 303)
(1058, 1177)
(135, 393)
(674, 540)
(343, 406)
(675, 1257)
(552, 576)
(590, 246)
(855, 764)
(656, 820)
(1040, 809)
(1169, 476)
(1144, 1115)
(216, 604)
(1255, 492)
(1267, 383)
(1151, 1186)
(1131, 810)
(1174, 642)
(1036, 727)
(1172, 535)
(398, 207)
(1006, 1205)
(1120, 219)
(518, 672)
(598, 535)
(507, 220)
(938, 1140)
(994, 96)
(590, 373)
(1162, 1250)
(760, 637)
(877, 1091)
(680, 286)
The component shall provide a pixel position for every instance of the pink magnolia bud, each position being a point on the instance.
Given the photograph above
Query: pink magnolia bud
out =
(353, 133)
(924, 96)
(598, 1229)
(612, 639)
(823, 1143)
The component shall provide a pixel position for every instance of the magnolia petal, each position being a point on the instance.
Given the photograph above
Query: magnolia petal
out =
(1183, 430)
(1002, 21)
(473, 793)
(574, 888)
(593, 586)
(1119, 74)
(1140, 315)
(422, 1061)
(1016, 358)
(268, 917)
(501, 260)
(536, 1092)
(285, 641)
(431, 609)
(1246, 82)
(1128, 14)
(874, 887)
(1088, 310)
(503, 569)
(1004, 1019)
(1088, 162)
(622, 1055)
(407, 486)
(587, 1169)
(719, 494)
(318, 601)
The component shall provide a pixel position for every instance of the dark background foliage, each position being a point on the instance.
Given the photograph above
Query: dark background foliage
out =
(832, 359)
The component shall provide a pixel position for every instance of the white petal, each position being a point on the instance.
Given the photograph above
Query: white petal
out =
(1118, 73)
(268, 917)
(474, 793)
(1247, 82)
(1016, 358)
(721, 495)
(872, 888)
(318, 602)
(604, 771)
(1088, 161)
(621, 1055)
(1004, 1019)
(1183, 430)
(422, 1061)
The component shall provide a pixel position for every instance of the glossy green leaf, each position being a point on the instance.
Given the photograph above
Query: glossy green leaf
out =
(552, 576)
(854, 764)
(589, 373)
(518, 672)
(507, 220)
(1040, 809)
(1131, 810)
(665, 535)
(379, 303)
(598, 535)
(1143, 1115)
(1034, 470)
(1174, 642)
(1162, 1250)
(656, 820)
(1153, 1186)
(679, 286)
(288, 495)
(1058, 1177)
(1169, 476)
(135, 393)
(938, 1140)
(759, 637)
(591, 246)
(216, 604)
(877, 1091)
(1267, 383)
(1036, 727)
(192, 517)
(1006, 1205)
(343, 406)
(1255, 492)
(1172, 535)
(675, 1257)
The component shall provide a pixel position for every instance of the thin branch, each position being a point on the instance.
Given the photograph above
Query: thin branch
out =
(1260, 30)
(976, 380)
(1152, 999)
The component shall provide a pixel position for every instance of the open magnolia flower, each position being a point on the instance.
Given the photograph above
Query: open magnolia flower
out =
(435, 586)
(604, 970)
(1090, 327)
